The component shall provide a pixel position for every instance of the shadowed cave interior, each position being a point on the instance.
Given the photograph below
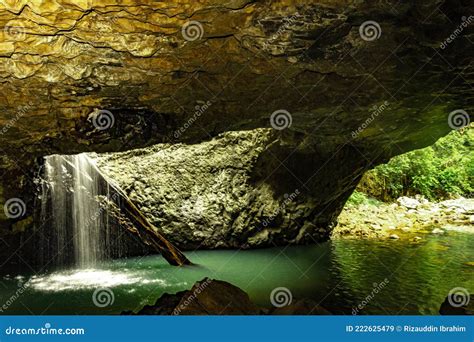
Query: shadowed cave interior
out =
(281, 157)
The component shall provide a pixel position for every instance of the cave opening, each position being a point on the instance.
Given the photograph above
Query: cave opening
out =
(231, 140)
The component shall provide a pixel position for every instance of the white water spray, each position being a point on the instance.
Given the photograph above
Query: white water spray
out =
(70, 205)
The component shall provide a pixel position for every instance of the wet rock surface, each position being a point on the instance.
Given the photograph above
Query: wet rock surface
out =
(206, 297)
(459, 306)
(409, 218)
(217, 297)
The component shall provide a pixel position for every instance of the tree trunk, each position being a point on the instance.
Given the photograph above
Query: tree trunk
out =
(146, 231)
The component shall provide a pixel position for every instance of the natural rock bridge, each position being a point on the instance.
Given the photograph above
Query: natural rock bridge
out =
(307, 94)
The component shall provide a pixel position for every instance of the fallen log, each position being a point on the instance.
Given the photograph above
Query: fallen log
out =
(128, 215)
(145, 230)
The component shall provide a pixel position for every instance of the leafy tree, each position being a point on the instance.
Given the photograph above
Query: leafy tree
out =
(443, 170)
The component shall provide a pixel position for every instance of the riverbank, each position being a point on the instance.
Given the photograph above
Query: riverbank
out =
(407, 218)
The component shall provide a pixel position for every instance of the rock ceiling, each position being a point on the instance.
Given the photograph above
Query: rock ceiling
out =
(358, 81)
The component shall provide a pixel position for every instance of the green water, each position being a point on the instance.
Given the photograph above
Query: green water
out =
(338, 274)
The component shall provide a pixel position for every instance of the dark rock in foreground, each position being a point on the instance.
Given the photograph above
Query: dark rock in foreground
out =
(216, 297)
(448, 309)
(206, 297)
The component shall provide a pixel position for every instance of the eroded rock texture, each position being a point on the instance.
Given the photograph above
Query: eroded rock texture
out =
(221, 193)
(155, 64)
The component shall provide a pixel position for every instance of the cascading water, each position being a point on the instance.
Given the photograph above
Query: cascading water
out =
(77, 226)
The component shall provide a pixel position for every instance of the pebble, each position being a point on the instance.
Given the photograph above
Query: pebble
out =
(407, 202)
(394, 236)
(437, 231)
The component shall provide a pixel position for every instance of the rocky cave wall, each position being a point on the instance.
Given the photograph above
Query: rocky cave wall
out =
(109, 75)
(224, 193)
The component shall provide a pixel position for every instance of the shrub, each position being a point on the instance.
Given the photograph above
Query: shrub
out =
(443, 170)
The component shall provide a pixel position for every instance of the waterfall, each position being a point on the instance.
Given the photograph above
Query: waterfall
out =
(77, 226)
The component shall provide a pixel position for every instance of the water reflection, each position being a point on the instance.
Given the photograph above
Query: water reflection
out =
(341, 275)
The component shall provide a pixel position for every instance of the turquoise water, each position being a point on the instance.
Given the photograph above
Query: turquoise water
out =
(338, 274)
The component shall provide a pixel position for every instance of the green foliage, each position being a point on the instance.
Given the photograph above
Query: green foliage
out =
(443, 170)
(358, 198)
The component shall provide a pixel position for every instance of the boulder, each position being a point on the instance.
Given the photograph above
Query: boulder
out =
(217, 297)
(206, 297)
(447, 307)
(408, 202)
